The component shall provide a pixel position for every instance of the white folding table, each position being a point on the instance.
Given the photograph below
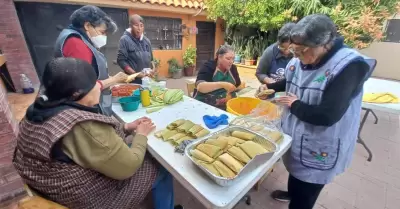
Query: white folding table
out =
(193, 179)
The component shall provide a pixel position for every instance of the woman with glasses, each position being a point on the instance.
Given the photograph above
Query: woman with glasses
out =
(83, 39)
(218, 79)
(271, 67)
(324, 85)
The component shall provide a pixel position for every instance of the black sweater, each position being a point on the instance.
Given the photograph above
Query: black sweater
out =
(337, 95)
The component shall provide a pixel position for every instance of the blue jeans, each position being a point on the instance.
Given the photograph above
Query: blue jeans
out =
(163, 190)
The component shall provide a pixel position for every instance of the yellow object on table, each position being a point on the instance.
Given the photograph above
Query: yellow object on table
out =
(380, 98)
(145, 97)
(242, 105)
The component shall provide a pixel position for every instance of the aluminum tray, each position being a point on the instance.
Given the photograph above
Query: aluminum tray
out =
(116, 99)
(253, 164)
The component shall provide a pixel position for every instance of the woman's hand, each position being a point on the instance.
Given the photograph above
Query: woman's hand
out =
(132, 126)
(120, 77)
(268, 80)
(287, 100)
(144, 128)
(228, 86)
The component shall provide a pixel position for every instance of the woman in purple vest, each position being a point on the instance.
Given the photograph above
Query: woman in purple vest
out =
(324, 83)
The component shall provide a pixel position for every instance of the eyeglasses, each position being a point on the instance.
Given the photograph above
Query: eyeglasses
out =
(282, 48)
(298, 51)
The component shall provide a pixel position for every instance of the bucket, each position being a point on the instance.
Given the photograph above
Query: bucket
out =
(130, 104)
(242, 105)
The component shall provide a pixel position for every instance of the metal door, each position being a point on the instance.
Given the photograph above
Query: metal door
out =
(205, 43)
(42, 22)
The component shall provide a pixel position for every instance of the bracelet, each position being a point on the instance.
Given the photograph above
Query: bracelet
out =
(101, 84)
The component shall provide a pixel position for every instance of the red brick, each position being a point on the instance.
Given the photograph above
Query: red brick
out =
(14, 46)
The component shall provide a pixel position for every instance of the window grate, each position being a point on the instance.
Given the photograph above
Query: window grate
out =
(163, 33)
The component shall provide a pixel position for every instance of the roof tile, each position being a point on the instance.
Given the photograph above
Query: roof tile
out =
(193, 4)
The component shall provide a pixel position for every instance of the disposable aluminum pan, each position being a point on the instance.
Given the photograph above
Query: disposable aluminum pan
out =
(116, 99)
(252, 165)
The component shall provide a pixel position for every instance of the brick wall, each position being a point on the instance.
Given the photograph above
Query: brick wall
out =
(10, 182)
(13, 45)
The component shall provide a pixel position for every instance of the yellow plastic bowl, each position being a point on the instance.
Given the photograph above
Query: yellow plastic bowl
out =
(242, 105)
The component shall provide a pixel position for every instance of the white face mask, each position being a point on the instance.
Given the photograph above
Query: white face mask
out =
(141, 36)
(99, 40)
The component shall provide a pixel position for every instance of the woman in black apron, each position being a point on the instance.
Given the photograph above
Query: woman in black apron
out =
(218, 79)
(271, 67)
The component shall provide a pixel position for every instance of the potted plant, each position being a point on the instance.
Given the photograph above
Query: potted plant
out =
(249, 53)
(174, 68)
(189, 58)
(156, 63)
(237, 44)
(260, 45)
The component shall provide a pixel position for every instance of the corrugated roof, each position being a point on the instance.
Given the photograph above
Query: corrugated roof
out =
(193, 4)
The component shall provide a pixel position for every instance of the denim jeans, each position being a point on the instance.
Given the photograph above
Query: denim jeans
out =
(163, 190)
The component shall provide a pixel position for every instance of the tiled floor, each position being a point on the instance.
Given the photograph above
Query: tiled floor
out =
(365, 185)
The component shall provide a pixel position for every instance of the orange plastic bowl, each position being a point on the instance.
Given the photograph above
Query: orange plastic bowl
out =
(242, 105)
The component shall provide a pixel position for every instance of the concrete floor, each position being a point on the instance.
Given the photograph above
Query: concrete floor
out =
(365, 185)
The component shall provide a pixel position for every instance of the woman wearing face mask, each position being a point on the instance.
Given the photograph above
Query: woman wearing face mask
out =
(83, 39)
(218, 79)
(324, 85)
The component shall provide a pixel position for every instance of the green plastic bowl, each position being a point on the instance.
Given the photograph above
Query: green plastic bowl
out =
(129, 104)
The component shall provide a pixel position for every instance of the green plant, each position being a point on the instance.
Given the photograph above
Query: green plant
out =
(260, 44)
(173, 66)
(189, 57)
(238, 44)
(359, 21)
(249, 50)
(157, 62)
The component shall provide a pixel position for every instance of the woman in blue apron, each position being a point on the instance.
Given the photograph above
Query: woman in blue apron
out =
(135, 52)
(218, 79)
(83, 39)
(271, 67)
(324, 84)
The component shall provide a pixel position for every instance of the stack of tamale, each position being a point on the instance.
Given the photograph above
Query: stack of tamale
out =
(181, 130)
(226, 155)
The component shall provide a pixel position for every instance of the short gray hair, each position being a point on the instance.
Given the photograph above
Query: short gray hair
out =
(223, 49)
(134, 17)
(313, 31)
(284, 32)
(93, 15)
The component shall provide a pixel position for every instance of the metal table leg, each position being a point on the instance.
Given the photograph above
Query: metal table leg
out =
(360, 140)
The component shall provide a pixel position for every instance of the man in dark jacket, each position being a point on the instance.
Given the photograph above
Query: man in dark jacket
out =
(135, 52)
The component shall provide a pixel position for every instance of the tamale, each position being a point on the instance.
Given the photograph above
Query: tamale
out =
(239, 154)
(177, 123)
(243, 135)
(203, 132)
(197, 154)
(231, 162)
(176, 137)
(223, 169)
(208, 149)
(179, 141)
(168, 134)
(195, 129)
(257, 128)
(252, 149)
(209, 167)
(219, 142)
(275, 136)
(159, 133)
(185, 126)
(234, 140)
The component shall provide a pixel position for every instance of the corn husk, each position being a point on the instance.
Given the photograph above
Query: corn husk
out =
(165, 136)
(223, 169)
(252, 149)
(177, 123)
(179, 141)
(239, 154)
(231, 162)
(176, 137)
(160, 133)
(195, 129)
(219, 142)
(210, 150)
(244, 135)
(203, 132)
(199, 155)
(185, 126)
(209, 167)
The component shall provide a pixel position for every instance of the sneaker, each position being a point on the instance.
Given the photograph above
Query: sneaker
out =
(178, 207)
(280, 196)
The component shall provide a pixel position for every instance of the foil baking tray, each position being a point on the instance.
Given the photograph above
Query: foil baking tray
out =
(249, 167)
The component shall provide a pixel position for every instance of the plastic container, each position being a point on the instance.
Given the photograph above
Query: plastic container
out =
(162, 84)
(146, 82)
(145, 97)
(242, 105)
(26, 84)
(130, 104)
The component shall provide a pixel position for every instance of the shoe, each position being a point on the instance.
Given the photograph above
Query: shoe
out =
(178, 207)
(281, 196)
